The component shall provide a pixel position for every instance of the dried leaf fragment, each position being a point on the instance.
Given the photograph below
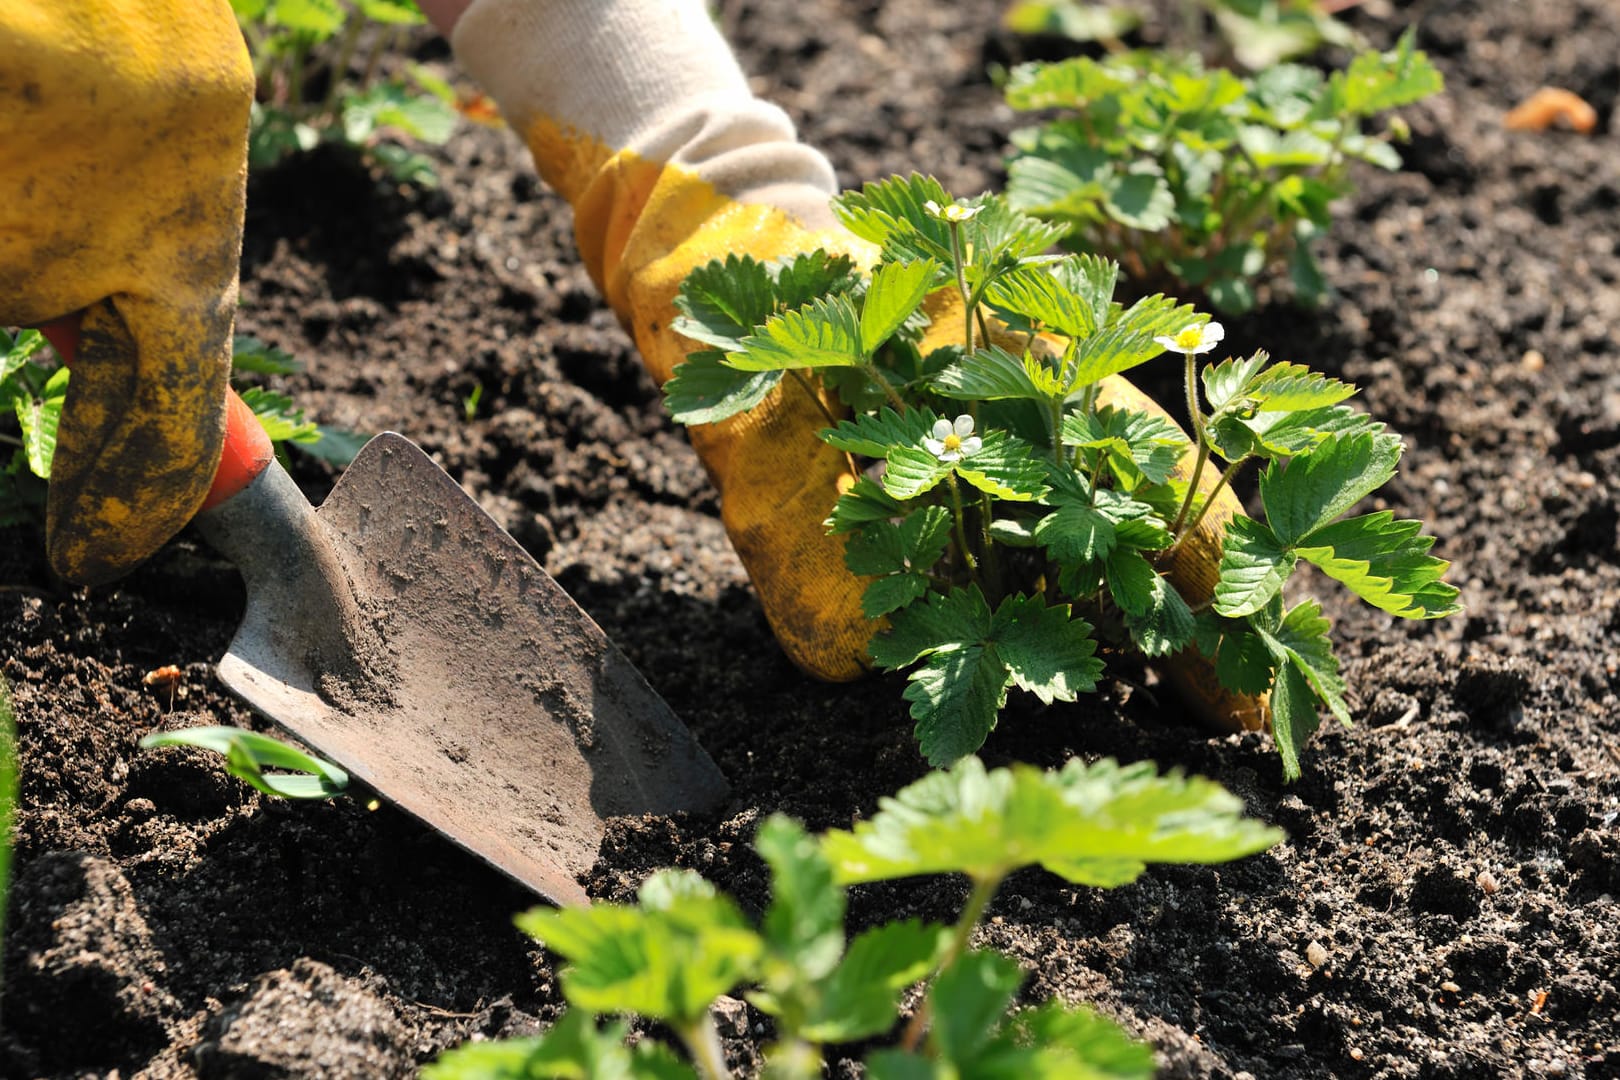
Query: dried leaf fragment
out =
(1551, 105)
(163, 677)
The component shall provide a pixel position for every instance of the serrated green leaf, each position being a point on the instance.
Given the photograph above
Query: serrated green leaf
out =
(891, 297)
(573, 1049)
(723, 302)
(40, 415)
(281, 419)
(1004, 466)
(904, 553)
(1049, 651)
(1071, 84)
(874, 435)
(823, 333)
(250, 356)
(912, 471)
(1314, 489)
(1076, 533)
(1130, 581)
(1294, 387)
(1285, 434)
(705, 389)
(317, 19)
(1375, 82)
(955, 698)
(861, 998)
(972, 657)
(892, 213)
(1303, 634)
(1077, 1044)
(808, 275)
(1294, 718)
(804, 924)
(392, 12)
(247, 754)
(667, 958)
(865, 501)
(1386, 563)
(1166, 626)
(1140, 200)
(968, 1001)
(1140, 446)
(1228, 382)
(1089, 823)
(1254, 566)
(1242, 662)
(890, 594)
(1129, 338)
(992, 374)
(1036, 294)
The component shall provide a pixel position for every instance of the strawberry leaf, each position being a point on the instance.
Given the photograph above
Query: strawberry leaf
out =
(1091, 824)
(1386, 563)
(704, 389)
(1314, 489)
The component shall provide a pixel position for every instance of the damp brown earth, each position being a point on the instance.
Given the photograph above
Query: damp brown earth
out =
(1445, 905)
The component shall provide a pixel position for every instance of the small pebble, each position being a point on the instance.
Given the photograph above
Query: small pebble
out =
(1487, 882)
(1532, 361)
(1450, 987)
(1316, 954)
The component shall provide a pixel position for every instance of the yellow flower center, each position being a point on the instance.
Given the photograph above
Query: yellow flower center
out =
(953, 442)
(1190, 338)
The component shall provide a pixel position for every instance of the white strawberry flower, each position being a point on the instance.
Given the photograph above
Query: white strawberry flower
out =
(955, 213)
(1194, 339)
(953, 440)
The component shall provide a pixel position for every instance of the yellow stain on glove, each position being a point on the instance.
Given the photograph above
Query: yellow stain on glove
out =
(642, 226)
(121, 195)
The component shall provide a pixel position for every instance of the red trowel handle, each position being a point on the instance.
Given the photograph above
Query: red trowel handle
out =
(247, 451)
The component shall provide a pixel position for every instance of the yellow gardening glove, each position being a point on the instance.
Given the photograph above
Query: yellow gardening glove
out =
(637, 114)
(121, 195)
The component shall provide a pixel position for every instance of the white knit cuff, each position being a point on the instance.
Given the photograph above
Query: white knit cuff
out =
(650, 76)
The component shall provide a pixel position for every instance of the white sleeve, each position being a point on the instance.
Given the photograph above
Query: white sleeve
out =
(652, 77)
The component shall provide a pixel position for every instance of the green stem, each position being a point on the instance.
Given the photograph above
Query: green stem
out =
(961, 529)
(1192, 526)
(984, 889)
(872, 372)
(961, 285)
(340, 68)
(1197, 422)
(703, 1043)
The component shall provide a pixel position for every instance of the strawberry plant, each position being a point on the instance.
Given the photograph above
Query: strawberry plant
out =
(1254, 33)
(1007, 515)
(304, 53)
(1194, 175)
(684, 944)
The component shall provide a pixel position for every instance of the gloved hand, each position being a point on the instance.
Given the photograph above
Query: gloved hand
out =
(637, 113)
(121, 196)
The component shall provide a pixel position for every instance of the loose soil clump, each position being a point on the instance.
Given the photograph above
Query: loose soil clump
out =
(1445, 905)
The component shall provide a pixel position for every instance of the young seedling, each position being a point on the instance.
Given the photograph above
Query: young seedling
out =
(1254, 33)
(1007, 516)
(303, 55)
(247, 754)
(1193, 175)
(684, 944)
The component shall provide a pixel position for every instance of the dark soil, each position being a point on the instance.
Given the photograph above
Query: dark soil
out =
(1445, 905)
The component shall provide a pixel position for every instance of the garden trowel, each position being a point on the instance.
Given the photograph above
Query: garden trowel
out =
(401, 633)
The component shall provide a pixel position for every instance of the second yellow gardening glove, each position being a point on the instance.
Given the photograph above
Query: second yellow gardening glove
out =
(638, 115)
(121, 194)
